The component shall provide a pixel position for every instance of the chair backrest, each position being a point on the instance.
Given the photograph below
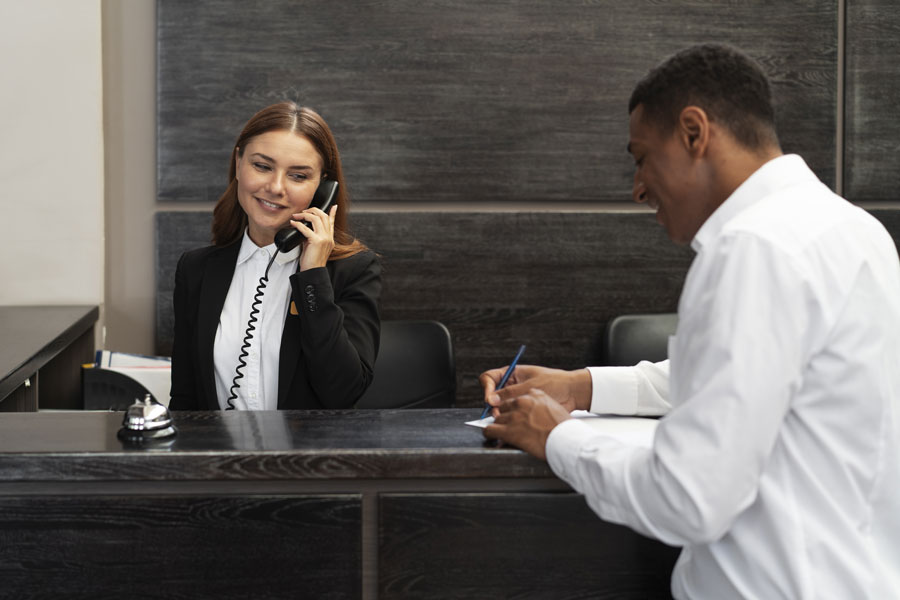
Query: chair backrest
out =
(414, 369)
(629, 339)
(110, 390)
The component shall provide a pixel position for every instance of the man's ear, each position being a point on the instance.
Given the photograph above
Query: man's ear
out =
(693, 130)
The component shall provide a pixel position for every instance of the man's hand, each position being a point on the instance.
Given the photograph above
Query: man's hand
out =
(571, 389)
(526, 422)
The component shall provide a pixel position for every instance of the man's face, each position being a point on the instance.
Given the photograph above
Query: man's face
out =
(667, 178)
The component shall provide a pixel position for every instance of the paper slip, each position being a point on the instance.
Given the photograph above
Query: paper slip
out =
(635, 431)
(481, 422)
(578, 414)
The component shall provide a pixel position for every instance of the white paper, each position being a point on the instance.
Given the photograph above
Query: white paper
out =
(634, 431)
(107, 358)
(481, 422)
(578, 414)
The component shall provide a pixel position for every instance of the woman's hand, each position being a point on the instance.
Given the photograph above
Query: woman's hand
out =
(319, 240)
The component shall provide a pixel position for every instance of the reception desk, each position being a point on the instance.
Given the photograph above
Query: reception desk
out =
(41, 355)
(294, 504)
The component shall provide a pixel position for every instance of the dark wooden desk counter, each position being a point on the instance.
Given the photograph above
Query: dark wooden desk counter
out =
(266, 445)
(49, 340)
(293, 504)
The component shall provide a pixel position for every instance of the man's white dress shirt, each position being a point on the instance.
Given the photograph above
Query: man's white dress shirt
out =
(778, 465)
(259, 385)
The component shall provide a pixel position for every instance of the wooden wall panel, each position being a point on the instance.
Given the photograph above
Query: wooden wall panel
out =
(467, 100)
(498, 279)
(550, 280)
(512, 546)
(871, 164)
(181, 547)
(491, 102)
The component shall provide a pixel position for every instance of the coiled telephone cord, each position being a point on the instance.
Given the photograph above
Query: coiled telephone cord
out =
(248, 335)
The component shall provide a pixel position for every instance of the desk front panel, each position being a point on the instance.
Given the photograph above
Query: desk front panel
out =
(500, 545)
(294, 504)
(180, 546)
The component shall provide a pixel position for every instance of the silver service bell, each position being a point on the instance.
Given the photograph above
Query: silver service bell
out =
(146, 419)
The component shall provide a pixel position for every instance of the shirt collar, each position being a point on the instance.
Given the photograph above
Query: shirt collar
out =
(249, 248)
(774, 175)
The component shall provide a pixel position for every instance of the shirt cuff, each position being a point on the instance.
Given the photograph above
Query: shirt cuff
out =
(564, 447)
(614, 390)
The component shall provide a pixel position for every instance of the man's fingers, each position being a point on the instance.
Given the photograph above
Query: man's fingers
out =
(506, 407)
(493, 431)
(514, 390)
(489, 380)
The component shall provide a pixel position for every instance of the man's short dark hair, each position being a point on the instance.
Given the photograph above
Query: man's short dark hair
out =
(727, 84)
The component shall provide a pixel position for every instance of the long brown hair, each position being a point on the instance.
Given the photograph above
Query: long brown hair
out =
(230, 220)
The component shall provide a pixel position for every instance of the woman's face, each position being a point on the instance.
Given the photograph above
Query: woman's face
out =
(277, 174)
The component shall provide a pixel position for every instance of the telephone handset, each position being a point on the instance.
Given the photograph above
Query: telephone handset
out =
(289, 237)
(285, 241)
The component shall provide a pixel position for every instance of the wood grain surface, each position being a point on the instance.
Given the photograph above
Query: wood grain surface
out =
(87, 547)
(513, 546)
(300, 504)
(495, 279)
(468, 100)
(258, 446)
(503, 102)
(499, 279)
(872, 134)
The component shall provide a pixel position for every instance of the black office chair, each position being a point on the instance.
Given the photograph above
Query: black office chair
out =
(414, 368)
(629, 339)
(111, 390)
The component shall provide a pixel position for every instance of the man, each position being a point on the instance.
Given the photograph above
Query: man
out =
(777, 467)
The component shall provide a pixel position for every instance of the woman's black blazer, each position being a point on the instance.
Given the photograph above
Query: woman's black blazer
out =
(328, 349)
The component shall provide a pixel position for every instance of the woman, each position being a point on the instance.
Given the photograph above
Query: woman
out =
(297, 332)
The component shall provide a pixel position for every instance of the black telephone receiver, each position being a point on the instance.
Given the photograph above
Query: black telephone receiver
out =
(288, 238)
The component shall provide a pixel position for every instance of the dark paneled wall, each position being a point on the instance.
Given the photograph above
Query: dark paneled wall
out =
(550, 280)
(871, 164)
(499, 103)
(467, 100)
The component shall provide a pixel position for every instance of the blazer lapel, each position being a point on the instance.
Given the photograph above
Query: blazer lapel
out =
(216, 281)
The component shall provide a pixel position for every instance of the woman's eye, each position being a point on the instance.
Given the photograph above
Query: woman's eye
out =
(261, 166)
(298, 176)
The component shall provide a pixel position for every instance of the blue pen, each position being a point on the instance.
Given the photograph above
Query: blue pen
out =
(505, 378)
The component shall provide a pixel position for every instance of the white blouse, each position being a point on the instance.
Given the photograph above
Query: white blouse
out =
(259, 385)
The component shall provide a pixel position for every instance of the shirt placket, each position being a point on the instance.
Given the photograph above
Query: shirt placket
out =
(254, 380)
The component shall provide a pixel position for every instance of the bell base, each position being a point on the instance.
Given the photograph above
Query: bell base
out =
(139, 435)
